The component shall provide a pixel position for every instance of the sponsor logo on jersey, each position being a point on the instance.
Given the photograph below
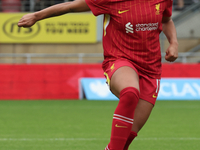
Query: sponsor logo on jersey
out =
(129, 28)
(141, 27)
(146, 26)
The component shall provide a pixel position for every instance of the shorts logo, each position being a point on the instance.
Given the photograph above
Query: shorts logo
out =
(129, 28)
(157, 9)
(154, 96)
(112, 67)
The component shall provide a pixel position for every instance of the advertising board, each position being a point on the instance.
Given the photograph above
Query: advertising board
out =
(170, 89)
(70, 28)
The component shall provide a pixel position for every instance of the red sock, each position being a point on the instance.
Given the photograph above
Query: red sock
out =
(123, 118)
(132, 135)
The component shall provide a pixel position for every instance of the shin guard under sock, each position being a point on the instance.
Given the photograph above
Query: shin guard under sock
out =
(123, 118)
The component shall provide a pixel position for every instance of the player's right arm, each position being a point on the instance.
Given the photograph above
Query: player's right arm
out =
(56, 10)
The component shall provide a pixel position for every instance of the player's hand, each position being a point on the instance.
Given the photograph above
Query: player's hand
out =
(27, 20)
(172, 52)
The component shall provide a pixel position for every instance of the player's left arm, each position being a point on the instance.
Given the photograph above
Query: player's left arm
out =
(170, 31)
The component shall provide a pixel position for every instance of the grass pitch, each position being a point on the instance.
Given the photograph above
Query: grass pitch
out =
(86, 125)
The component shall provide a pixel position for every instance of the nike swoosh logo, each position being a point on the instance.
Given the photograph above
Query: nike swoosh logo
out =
(120, 126)
(121, 12)
(154, 96)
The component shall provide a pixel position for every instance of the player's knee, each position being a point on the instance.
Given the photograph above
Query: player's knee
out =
(129, 96)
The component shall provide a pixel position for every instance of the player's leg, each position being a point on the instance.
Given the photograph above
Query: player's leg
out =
(149, 89)
(124, 84)
(142, 112)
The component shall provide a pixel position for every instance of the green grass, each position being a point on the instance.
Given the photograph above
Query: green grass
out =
(86, 125)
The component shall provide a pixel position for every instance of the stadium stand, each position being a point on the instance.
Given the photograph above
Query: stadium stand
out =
(11, 5)
(184, 3)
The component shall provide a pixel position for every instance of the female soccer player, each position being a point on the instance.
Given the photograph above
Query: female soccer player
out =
(132, 57)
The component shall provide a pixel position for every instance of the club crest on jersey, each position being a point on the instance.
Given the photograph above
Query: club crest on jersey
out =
(157, 6)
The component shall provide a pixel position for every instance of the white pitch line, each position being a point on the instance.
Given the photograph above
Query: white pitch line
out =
(172, 138)
(49, 139)
(97, 139)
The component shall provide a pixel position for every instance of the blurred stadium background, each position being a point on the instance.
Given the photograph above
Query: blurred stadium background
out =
(186, 20)
(44, 63)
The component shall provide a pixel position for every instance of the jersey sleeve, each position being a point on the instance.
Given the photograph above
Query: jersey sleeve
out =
(98, 7)
(168, 10)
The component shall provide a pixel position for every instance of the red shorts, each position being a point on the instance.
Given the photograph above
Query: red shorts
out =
(149, 87)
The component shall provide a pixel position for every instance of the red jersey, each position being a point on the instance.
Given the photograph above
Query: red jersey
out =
(131, 31)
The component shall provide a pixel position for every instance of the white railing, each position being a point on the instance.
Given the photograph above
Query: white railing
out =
(80, 57)
(187, 57)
